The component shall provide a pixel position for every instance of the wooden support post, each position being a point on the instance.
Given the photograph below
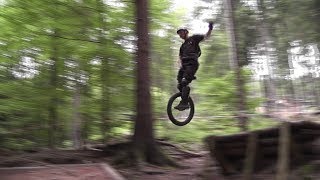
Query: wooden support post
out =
(216, 153)
(251, 154)
(283, 152)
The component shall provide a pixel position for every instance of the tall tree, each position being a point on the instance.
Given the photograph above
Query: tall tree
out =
(144, 142)
(105, 99)
(266, 41)
(54, 81)
(143, 138)
(236, 65)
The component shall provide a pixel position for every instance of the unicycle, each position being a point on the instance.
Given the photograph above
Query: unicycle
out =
(179, 118)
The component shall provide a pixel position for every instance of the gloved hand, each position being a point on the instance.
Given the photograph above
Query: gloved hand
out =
(210, 25)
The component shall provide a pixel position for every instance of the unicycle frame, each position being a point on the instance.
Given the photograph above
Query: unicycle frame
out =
(171, 116)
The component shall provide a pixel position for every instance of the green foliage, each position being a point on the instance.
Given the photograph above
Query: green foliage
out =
(52, 50)
(217, 95)
(214, 58)
(85, 46)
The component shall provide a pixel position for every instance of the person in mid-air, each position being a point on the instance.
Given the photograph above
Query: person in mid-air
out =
(188, 57)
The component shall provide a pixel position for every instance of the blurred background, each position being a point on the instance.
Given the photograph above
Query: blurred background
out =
(67, 68)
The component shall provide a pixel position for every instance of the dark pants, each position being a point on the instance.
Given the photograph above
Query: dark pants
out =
(186, 75)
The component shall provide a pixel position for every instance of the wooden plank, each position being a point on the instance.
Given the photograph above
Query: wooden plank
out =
(97, 171)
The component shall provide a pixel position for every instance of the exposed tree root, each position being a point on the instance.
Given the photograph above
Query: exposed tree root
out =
(120, 154)
(187, 153)
(120, 150)
(124, 154)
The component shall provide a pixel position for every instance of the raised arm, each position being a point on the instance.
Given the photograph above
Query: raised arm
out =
(207, 35)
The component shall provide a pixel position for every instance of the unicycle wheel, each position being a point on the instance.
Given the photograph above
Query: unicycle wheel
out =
(179, 118)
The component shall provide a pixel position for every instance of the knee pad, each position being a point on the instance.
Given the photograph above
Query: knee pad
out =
(185, 82)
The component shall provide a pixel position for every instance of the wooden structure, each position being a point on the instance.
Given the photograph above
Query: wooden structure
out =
(232, 151)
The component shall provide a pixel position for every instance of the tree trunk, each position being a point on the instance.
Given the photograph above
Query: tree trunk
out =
(268, 93)
(52, 109)
(105, 99)
(76, 118)
(291, 90)
(266, 41)
(84, 89)
(230, 32)
(240, 82)
(143, 138)
(144, 144)
(85, 116)
(316, 89)
(304, 89)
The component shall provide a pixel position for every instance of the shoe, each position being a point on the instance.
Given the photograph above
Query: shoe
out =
(182, 106)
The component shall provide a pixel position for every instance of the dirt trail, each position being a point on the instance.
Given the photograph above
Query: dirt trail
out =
(193, 165)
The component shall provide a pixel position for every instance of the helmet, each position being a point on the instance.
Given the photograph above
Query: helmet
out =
(182, 29)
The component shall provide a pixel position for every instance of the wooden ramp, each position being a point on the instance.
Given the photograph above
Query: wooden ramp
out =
(230, 151)
(61, 172)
